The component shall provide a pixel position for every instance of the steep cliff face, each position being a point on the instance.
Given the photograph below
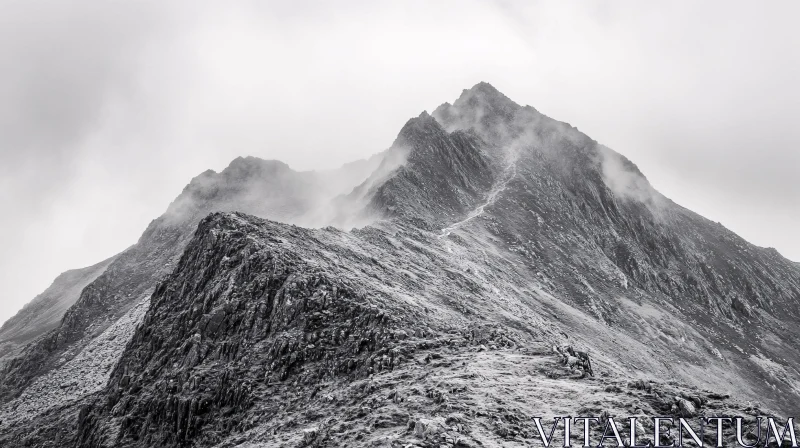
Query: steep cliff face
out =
(495, 234)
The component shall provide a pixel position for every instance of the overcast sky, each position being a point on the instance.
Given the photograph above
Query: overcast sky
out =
(108, 108)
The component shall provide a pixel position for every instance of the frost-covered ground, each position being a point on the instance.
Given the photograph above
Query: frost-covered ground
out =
(86, 373)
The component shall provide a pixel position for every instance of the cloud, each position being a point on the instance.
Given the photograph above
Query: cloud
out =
(625, 180)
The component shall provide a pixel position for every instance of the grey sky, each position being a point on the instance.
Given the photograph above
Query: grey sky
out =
(107, 109)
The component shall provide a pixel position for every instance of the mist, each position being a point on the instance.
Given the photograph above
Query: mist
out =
(270, 189)
(108, 110)
(625, 180)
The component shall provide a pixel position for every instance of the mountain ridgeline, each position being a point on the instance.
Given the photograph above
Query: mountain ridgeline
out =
(419, 297)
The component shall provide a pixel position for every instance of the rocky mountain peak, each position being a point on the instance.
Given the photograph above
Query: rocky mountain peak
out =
(486, 95)
(417, 130)
(483, 106)
(244, 167)
(434, 173)
(241, 171)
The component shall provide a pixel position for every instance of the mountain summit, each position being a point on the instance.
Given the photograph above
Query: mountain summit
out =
(492, 265)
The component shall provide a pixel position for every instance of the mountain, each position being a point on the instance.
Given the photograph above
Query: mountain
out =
(436, 310)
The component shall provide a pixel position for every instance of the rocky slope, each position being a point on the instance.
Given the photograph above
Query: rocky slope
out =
(496, 237)
(45, 311)
(271, 335)
(448, 170)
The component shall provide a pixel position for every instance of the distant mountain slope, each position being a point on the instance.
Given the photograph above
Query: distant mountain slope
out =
(45, 311)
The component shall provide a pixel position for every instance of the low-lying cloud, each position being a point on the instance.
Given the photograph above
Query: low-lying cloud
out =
(625, 180)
